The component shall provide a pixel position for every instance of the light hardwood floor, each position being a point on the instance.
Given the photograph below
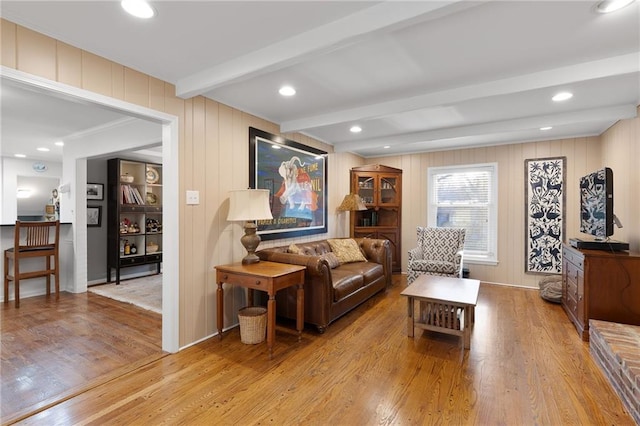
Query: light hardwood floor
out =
(526, 366)
(52, 350)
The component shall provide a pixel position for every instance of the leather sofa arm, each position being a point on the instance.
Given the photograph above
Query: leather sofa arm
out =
(315, 264)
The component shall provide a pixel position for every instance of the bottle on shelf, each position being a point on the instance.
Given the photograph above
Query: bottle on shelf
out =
(127, 248)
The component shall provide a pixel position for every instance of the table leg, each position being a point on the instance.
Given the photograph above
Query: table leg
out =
(410, 318)
(467, 331)
(220, 307)
(271, 323)
(300, 310)
(250, 296)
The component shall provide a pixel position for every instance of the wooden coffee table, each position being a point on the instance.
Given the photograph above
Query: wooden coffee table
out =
(266, 276)
(447, 305)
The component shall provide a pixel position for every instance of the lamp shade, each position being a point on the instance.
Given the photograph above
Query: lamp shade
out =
(249, 204)
(352, 202)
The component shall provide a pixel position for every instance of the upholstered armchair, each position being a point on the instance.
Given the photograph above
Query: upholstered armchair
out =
(439, 252)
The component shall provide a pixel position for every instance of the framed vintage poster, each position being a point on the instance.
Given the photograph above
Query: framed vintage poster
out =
(296, 177)
(544, 214)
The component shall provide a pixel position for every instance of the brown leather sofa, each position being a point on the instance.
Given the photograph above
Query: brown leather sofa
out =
(330, 293)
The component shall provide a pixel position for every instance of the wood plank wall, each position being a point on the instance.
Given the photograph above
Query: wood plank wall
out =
(213, 159)
(621, 152)
(583, 155)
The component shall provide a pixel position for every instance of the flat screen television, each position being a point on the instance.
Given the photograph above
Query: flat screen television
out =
(596, 204)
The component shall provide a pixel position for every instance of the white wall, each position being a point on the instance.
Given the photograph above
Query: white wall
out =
(11, 169)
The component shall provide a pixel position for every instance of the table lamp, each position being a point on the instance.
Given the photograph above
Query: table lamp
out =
(351, 202)
(249, 205)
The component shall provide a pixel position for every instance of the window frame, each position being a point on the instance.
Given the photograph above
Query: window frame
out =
(490, 257)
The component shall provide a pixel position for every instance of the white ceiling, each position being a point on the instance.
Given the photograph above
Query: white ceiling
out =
(416, 76)
(32, 119)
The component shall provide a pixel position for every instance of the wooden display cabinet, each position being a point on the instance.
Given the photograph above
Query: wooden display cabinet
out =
(380, 188)
(134, 222)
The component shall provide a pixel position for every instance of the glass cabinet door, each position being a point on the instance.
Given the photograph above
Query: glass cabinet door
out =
(389, 191)
(366, 189)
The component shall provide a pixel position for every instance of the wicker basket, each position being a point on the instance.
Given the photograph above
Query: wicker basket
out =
(253, 324)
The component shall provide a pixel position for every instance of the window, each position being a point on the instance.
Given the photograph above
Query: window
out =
(467, 197)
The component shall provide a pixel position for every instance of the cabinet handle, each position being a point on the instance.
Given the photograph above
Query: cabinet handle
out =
(257, 282)
(225, 277)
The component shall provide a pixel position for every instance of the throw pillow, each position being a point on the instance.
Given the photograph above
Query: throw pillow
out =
(346, 250)
(294, 249)
(331, 259)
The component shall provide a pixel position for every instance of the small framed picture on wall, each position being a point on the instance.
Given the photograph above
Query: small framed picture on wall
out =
(94, 215)
(95, 191)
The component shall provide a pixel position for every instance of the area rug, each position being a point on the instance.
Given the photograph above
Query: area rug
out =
(145, 292)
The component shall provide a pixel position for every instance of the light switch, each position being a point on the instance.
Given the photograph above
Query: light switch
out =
(193, 197)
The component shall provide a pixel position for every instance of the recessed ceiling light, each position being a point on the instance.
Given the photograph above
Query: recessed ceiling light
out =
(59, 143)
(562, 96)
(138, 8)
(355, 129)
(19, 155)
(43, 149)
(287, 91)
(546, 128)
(608, 6)
(386, 146)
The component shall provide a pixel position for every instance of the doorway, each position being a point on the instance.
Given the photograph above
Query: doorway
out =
(73, 188)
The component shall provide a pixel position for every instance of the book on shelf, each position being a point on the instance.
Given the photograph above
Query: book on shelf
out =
(131, 195)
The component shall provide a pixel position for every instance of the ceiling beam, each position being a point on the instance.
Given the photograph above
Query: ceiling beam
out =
(383, 17)
(617, 112)
(617, 65)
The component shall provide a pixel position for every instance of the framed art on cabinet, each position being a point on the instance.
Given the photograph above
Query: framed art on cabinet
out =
(296, 177)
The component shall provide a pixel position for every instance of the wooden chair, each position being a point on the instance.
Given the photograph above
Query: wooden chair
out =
(33, 239)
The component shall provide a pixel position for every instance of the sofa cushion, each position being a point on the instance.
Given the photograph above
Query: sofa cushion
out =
(370, 271)
(347, 250)
(331, 259)
(293, 249)
(345, 282)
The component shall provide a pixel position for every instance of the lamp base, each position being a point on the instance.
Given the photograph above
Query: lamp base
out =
(250, 240)
(249, 259)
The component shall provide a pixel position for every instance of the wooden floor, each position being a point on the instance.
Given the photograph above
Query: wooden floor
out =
(52, 350)
(526, 366)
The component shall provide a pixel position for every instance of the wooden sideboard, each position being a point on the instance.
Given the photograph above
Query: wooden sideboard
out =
(598, 284)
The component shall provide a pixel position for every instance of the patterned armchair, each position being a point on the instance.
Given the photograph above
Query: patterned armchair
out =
(439, 252)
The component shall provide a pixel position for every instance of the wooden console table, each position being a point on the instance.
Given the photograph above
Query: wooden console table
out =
(265, 276)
